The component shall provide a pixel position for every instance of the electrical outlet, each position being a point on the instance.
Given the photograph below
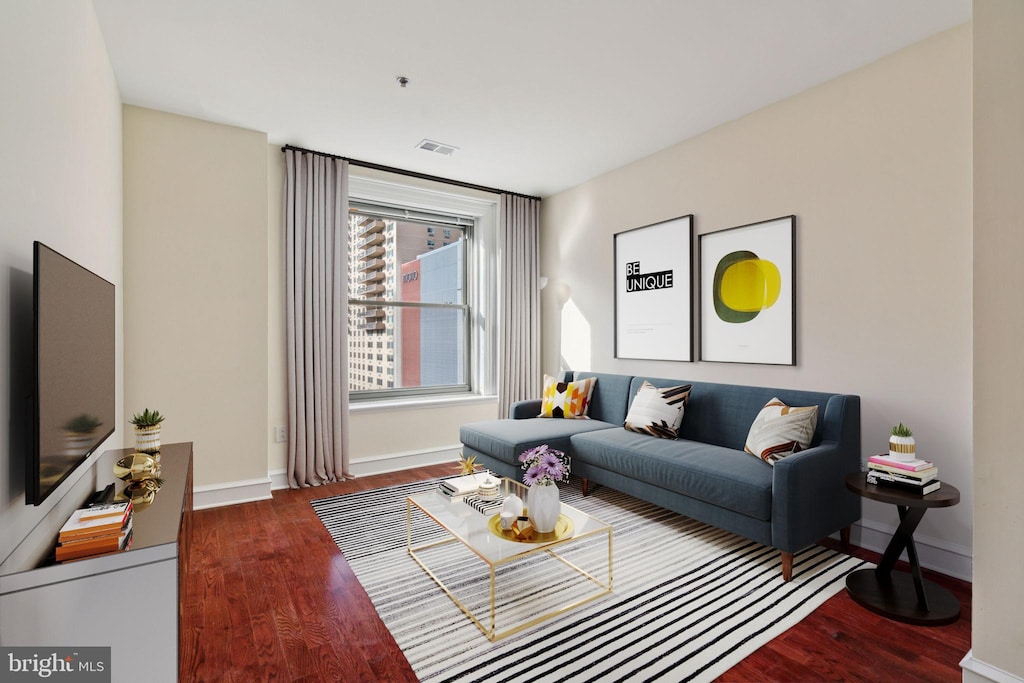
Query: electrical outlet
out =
(280, 434)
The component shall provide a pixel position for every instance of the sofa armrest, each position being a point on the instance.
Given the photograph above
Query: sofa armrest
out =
(809, 495)
(523, 409)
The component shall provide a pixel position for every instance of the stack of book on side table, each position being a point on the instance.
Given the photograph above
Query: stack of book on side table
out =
(915, 476)
(95, 531)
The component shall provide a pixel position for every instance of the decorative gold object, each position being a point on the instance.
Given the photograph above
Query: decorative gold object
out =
(524, 532)
(467, 464)
(142, 491)
(136, 466)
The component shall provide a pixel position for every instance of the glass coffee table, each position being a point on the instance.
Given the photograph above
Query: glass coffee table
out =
(530, 580)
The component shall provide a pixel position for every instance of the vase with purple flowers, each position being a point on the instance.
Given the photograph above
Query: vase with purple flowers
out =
(545, 466)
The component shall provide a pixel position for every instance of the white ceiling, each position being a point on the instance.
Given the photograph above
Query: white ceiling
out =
(538, 95)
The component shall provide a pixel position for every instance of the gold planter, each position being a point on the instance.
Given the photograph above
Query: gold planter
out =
(902, 448)
(147, 439)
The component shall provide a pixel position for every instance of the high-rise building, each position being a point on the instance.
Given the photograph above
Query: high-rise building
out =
(433, 339)
(394, 260)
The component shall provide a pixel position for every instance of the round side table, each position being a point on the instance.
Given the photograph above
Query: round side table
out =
(895, 594)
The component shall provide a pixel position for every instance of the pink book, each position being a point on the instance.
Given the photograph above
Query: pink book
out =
(913, 465)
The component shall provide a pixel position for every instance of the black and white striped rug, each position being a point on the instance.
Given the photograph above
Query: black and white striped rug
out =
(689, 600)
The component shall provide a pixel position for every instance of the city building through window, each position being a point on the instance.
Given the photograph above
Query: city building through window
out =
(408, 304)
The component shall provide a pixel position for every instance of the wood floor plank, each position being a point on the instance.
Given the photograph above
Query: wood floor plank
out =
(268, 597)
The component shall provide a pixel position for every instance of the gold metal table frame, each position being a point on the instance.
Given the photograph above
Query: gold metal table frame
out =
(474, 532)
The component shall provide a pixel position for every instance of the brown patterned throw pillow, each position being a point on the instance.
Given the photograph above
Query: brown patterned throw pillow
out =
(658, 412)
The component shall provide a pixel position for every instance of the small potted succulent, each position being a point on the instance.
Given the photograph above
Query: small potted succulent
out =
(901, 444)
(147, 430)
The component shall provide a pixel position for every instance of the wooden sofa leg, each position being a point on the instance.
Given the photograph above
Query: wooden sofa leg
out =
(844, 537)
(585, 486)
(787, 566)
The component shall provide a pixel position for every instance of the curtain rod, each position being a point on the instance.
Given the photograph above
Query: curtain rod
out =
(411, 174)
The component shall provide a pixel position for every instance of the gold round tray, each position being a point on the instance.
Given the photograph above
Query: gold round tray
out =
(563, 529)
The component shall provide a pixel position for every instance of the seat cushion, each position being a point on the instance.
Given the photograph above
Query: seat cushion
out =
(610, 399)
(505, 439)
(721, 476)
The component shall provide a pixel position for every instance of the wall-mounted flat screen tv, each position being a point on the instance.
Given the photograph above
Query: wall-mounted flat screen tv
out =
(74, 369)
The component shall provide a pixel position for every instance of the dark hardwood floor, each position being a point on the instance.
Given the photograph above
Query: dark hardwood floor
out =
(268, 597)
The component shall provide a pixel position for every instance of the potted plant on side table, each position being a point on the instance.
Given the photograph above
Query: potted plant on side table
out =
(901, 444)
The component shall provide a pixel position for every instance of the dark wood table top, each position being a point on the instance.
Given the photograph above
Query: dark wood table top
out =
(947, 495)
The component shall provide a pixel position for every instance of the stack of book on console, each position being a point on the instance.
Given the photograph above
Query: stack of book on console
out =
(916, 476)
(95, 531)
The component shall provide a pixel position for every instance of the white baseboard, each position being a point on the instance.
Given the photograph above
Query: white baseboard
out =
(390, 462)
(942, 556)
(230, 493)
(977, 671)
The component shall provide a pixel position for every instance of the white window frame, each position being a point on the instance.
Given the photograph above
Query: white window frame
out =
(481, 264)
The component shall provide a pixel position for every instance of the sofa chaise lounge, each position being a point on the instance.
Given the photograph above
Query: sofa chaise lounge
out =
(705, 474)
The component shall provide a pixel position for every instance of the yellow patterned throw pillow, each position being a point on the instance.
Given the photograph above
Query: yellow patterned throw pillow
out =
(569, 400)
(780, 430)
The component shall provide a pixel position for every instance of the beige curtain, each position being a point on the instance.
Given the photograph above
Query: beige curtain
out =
(519, 349)
(316, 310)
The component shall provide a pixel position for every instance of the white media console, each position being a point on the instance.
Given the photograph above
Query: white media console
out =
(130, 601)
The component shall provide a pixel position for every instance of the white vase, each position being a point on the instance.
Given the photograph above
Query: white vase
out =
(543, 507)
(902, 448)
(513, 505)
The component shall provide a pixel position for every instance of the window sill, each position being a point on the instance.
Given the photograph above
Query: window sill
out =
(418, 402)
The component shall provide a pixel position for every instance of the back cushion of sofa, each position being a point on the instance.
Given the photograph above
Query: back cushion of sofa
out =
(610, 398)
(721, 414)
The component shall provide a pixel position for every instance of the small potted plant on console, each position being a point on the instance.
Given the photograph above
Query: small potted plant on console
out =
(147, 430)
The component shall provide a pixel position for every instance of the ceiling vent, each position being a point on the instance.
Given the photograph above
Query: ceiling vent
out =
(436, 147)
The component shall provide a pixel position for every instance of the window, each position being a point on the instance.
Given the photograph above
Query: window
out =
(422, 311)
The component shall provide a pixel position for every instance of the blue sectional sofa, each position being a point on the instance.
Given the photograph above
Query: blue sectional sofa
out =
(705, 474)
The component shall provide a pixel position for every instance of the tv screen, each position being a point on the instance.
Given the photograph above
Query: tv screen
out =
(74, 373)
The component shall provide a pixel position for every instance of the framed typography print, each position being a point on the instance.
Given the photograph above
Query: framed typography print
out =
(747, 281)
(653, 297)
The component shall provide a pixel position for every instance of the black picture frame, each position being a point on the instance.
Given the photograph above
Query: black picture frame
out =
(654, 291)
(747, 293)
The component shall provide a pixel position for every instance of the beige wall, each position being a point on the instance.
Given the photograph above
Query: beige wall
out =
(876, 165)
(60, 160)
(998, 627)
(195, 270)
(277, 382)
